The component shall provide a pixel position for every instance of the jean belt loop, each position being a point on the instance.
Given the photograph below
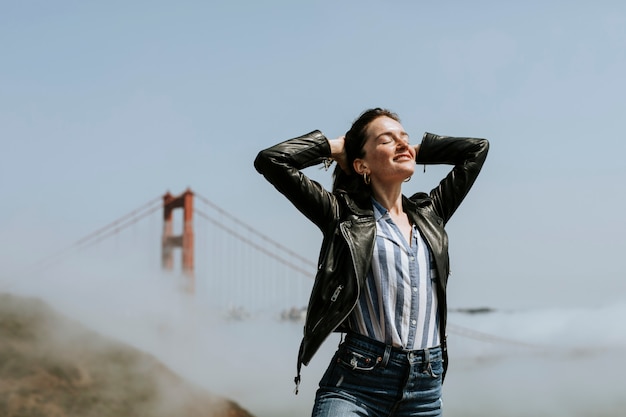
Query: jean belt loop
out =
(386, 356)
(427, 364)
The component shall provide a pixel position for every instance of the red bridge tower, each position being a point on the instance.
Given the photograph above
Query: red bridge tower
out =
(183, 241)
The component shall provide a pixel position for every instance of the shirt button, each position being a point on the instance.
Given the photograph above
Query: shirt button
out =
(414, 289)
(412, 258)
(413, 322)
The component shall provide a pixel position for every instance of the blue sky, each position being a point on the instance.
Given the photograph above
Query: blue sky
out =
(106, 105)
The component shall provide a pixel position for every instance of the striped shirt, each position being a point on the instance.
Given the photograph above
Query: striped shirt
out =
(398, 304)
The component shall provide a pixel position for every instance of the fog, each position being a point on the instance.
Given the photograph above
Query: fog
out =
(548, 362)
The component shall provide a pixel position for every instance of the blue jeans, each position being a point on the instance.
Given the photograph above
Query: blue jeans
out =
(369, 378)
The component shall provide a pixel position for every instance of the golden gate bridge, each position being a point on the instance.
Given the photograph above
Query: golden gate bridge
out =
(222, 259)
(215, 255)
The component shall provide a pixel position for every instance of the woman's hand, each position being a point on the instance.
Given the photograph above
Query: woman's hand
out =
(338, 152)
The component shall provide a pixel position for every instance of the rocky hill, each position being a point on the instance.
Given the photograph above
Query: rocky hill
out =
(51, 366)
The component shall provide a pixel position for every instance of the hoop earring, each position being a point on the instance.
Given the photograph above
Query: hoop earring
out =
(366, 179)
(408, 179)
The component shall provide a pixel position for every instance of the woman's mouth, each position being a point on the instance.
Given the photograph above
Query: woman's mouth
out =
(403, 157)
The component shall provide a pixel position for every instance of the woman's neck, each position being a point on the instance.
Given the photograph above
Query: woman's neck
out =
(389, 197)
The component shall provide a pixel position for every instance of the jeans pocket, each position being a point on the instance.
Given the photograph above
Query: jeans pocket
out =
(357, 360)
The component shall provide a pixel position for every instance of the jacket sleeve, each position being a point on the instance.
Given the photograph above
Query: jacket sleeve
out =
(466, 154)
(281, 165)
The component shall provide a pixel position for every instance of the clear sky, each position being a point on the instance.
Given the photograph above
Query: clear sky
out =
(106, 105)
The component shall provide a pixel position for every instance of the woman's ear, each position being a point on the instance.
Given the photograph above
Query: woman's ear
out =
(360, 166)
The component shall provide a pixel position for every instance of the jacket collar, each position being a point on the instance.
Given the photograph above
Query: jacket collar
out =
(417, 200)
(360, 206)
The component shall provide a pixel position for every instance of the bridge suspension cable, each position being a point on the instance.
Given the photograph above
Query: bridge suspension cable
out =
(256, 246)
(254, 231)
(96, 236)
(486, 337)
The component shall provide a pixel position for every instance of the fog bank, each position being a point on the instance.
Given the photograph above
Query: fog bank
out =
(551, 362)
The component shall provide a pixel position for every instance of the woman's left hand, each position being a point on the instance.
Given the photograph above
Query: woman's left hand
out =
(338, 152)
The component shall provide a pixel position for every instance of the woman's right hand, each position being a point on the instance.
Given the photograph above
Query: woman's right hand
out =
(338, 152)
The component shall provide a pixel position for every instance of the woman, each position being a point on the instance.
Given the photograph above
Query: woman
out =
(383, 266)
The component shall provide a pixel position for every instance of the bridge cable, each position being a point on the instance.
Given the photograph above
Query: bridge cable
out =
(486, 337)
(94, 237)
(256, 246)
(255, 231)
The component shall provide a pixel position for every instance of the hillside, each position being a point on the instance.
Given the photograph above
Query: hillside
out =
(51, 366)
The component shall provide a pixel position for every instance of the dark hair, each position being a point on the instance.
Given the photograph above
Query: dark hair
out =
(354, 140)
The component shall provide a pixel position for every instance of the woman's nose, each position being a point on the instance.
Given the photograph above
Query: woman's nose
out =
(402, 143)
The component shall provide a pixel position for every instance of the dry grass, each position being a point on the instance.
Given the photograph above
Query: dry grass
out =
(53, 367)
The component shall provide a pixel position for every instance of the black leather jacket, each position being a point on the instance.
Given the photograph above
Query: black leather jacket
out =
(349, 229)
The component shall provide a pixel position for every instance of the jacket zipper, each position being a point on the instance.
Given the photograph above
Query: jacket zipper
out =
(336, 293)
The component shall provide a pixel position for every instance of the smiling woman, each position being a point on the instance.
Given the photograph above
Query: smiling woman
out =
(383, 266)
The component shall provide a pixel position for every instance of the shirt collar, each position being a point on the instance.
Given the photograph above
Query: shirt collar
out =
(379, 210)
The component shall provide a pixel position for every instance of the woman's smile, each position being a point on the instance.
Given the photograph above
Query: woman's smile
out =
(403, 157)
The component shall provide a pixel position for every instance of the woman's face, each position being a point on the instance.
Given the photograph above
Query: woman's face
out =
(388, 155)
